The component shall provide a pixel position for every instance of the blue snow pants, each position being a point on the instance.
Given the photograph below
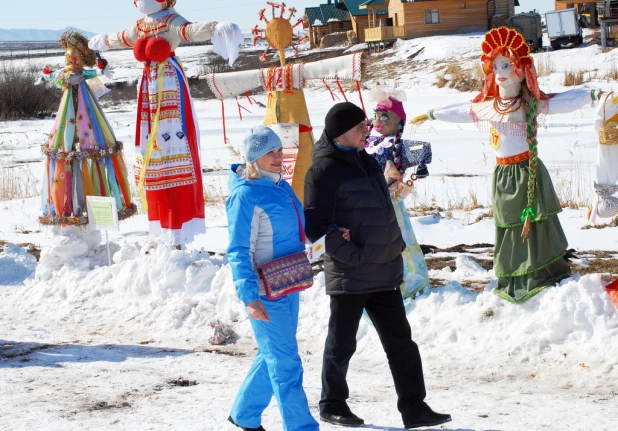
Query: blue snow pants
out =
(277, 369)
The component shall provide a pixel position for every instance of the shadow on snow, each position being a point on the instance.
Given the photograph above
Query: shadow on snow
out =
(27, 354)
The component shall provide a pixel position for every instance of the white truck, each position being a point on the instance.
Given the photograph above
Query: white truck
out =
(563, 28)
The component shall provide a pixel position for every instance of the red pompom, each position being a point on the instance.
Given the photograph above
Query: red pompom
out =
(47, 70)
(158, 49)
(139, 49)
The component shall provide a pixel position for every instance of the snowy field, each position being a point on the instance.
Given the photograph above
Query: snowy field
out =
(84, 345)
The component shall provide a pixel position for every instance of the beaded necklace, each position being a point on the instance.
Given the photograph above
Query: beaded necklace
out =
(507, 106)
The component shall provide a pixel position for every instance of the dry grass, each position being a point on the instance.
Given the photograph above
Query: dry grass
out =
(214, 196)
(611, 74)
(18, 183)
(612, 223)
(441, 81)
(572, 184)
(461, 79)
(573, 78)
(486, 214)
(545, 65)
(19, 97)
(439, 68)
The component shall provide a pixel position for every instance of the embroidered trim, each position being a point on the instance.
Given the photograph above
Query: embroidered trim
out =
(524, 298)
(123, 40)
(83, 220)
(146, 29)
(540, 218)
(94, 154)
(183, 32)
(513, 160)
(530, 271)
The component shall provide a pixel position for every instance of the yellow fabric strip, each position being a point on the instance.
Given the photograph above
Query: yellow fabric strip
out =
(153, 137)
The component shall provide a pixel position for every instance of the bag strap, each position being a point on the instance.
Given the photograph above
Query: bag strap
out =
(605, 107)
(300, 223)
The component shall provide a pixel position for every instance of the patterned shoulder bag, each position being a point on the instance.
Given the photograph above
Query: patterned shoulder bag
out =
(287, 274)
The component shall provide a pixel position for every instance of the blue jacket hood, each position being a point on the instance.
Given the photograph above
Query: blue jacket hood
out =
(236, 180)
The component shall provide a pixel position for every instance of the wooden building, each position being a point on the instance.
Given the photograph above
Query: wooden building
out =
(383, 20)
(364, 17)
(332, 17)
(429, 18)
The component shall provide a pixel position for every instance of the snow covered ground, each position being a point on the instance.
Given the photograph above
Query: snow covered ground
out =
(84, 345)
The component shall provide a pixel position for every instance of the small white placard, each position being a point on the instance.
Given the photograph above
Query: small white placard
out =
(316, 250)
(102, 213)
(288, 133)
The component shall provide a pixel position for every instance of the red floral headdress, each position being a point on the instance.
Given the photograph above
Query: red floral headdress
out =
(167, 3)
(511, 44)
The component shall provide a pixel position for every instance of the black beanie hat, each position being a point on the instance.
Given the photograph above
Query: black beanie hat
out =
(341, 118)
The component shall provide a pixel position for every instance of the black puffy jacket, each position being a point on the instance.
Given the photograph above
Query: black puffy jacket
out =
(348, 189)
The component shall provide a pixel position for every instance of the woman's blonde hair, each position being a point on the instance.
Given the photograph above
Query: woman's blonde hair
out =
(251, 172)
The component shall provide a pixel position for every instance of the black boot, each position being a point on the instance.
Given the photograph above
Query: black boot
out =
(428, 418)
(260, 428)
(422, 173)
(348, 420)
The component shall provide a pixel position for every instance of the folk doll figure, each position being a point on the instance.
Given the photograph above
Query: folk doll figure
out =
(530, 245)
(396, 155)
(168, 169)
(83, 157)
(606, 125)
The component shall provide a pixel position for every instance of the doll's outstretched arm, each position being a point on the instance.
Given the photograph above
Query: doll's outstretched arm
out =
(103, 69)
(571, 100)
(226, 36)
(457, 113)
(123, 39)
(47, 75)
(194, 31)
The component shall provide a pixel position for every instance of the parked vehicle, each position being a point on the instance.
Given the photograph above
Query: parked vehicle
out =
(528, 24)
(563, 28)
(604, 9)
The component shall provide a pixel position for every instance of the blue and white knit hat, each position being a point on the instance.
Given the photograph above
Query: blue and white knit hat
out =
(261, 141)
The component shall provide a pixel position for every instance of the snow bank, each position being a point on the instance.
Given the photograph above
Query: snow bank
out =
(152, 290)
(16, 265)
(565, 334)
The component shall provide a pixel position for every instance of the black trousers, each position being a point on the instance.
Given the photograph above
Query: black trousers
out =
(386, 311)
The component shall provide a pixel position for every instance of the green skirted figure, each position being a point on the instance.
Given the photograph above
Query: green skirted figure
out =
(530, 244)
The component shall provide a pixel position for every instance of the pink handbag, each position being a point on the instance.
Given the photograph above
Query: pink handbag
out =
(287, 274)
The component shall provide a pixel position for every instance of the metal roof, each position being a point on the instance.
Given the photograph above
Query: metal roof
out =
(353, 6)
(324, 13)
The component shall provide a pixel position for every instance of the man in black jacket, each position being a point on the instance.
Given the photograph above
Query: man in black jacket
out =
(347, 199)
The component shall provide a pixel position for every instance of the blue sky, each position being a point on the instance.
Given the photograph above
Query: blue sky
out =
(105, 16)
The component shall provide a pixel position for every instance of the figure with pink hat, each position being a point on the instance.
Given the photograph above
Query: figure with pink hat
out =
(396, 156)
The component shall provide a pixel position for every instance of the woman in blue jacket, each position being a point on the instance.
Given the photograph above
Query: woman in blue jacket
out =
(264, 218)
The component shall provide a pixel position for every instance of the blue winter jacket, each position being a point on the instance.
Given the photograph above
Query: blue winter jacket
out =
(263, 225)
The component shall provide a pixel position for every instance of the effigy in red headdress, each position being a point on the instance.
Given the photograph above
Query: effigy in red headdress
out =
(511, 44)
(167, 3)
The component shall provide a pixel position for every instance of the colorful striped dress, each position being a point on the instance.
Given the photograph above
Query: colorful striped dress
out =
(82, 156)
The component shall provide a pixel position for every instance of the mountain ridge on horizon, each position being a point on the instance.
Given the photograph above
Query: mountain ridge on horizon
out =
(36, 35)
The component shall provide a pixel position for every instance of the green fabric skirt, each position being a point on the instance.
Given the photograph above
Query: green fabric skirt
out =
(524, 268)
